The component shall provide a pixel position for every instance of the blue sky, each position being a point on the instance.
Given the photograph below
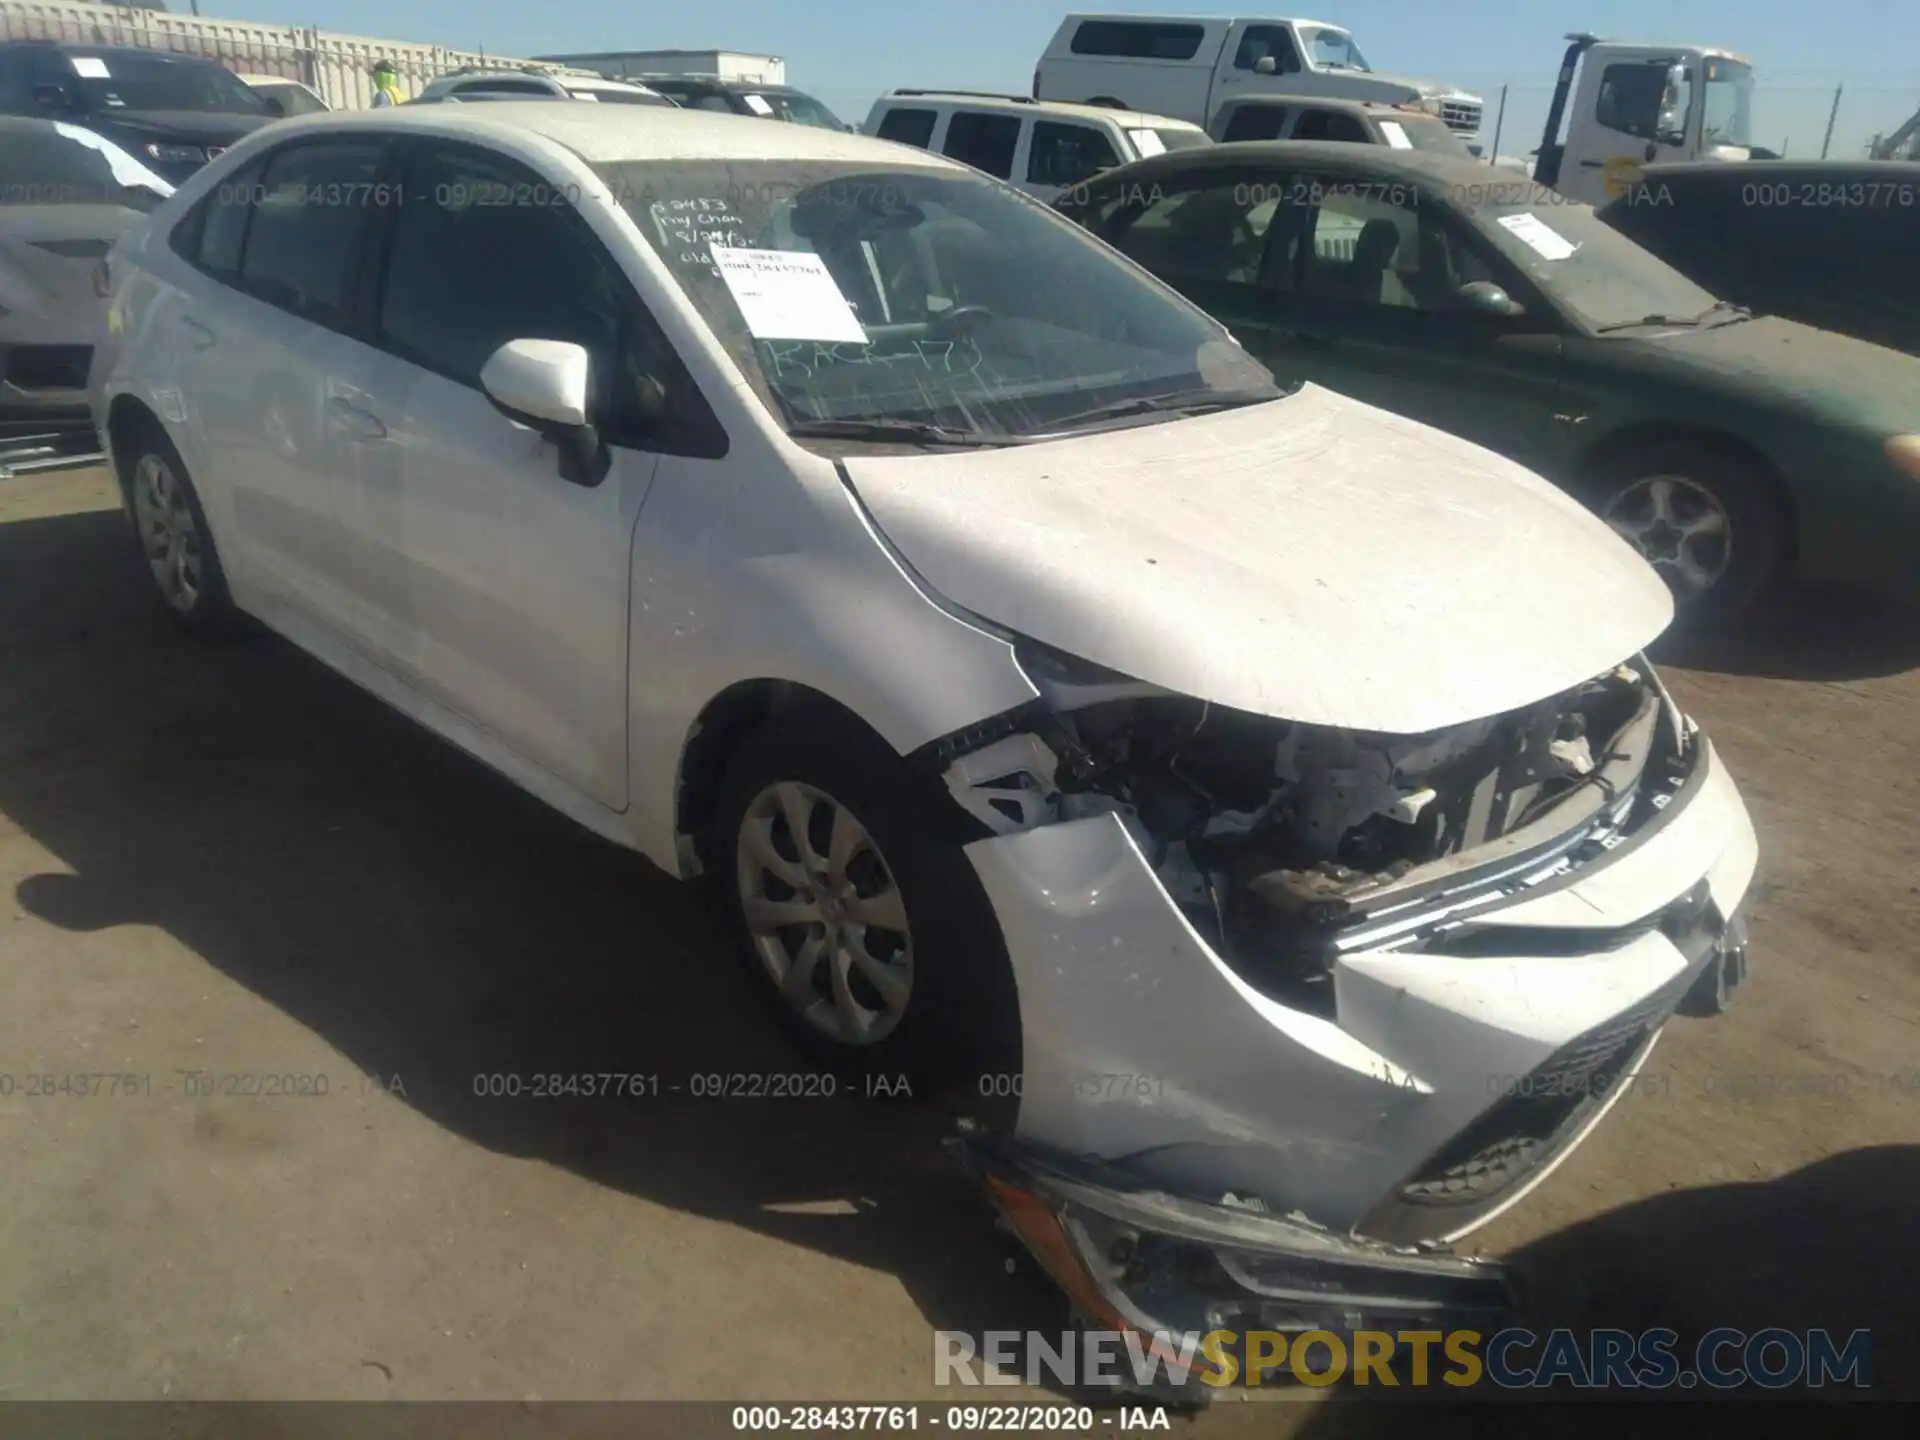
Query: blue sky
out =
(847, 51)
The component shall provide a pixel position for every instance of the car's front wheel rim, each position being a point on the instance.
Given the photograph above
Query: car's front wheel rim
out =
(1681, 528)
(168, 532)
(824, 913)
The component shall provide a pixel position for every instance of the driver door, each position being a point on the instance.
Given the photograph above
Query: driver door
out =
(1368, 303)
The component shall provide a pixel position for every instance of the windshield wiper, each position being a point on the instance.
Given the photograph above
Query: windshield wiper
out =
(901, 432)
(1179, 402)
(1727, 308)
(1733, 313)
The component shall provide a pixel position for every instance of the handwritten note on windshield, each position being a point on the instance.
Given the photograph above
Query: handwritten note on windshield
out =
(1542, 237)
(689, 228)
(787, 295)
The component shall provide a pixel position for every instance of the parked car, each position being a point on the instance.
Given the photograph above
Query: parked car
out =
(66, 195)
(1035, 677)
(1359, 122)
(1191, 65)
(1731, 449)
(292, 96)
(547, 83)
(170, 110)
(1830, 244)
(1038, 145)
(746, 97)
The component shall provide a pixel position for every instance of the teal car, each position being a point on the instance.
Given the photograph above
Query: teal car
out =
(1732, 450)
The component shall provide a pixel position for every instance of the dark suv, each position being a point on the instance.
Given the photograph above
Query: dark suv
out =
(171, 111)
(1830, 244)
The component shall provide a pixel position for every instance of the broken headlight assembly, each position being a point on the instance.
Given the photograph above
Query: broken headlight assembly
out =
(1284, 843)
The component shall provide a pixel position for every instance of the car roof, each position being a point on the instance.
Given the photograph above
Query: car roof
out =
(87, 47)
(609, 134)
(1022, 105)
(1418, 166)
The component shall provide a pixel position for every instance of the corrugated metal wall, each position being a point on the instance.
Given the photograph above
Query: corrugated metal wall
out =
(337, 66)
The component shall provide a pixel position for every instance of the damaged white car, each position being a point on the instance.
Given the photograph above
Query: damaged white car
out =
(1283, 779)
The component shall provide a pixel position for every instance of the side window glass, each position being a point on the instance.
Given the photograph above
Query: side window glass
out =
(1256, 122)
(908, 127)
(14, 94)
(986, 142)
(1368, 252)
(1270, 43)
(1216, 234)
(1067, 154)
(475, 264)
(1629, 99)
(308, 217)
(223, 224)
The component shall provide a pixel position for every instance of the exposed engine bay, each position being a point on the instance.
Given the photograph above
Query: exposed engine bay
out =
(1264, 831)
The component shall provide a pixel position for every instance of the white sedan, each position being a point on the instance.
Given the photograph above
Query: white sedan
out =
(1274, 787)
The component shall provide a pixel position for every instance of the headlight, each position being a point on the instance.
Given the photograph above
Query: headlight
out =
(177, 154)
(1904, 451)
(1430, 104)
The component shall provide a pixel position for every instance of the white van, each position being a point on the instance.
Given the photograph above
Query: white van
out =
(1189, 65)
(1041, 147)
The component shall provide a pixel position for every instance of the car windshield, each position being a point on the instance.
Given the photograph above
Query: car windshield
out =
(1334, 49)
(896, 295)
(123, 80)
(63, 165)
(1728, 116)
(792, 106)
(1179, 137)
(1580, 260)
(294, 99)
(1422, 132)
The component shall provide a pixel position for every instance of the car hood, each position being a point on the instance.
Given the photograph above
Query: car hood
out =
(1312, 558)
(1782, 362)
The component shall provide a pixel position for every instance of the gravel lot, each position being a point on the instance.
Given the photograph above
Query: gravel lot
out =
(229, 861)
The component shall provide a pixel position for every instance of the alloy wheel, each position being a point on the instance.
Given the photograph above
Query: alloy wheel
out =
(1680, 527)
(169, 534)
(824, 913)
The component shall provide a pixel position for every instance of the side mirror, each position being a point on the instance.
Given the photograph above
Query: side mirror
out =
(1266, 65)
(274, 104)
(55, 97)
(1671, 126)
(1483, 297)
(543, 384)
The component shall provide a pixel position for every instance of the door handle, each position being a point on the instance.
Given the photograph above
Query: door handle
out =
(198, 335)
(360, 424)
(1593, 164)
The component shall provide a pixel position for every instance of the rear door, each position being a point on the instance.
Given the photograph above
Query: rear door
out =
(985, 139)
(1368, 304)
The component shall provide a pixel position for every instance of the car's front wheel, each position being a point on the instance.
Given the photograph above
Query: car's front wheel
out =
(1706, 521)
(171, 528)
(862, 923)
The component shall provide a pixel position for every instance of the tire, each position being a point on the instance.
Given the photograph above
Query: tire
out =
(1708, 521)
(929, 993)
(172, 537)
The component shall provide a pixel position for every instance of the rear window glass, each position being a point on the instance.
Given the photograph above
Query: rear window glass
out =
(1144, 40)
(1257, 122)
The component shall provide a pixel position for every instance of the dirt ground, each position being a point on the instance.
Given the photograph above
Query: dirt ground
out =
(227, 861)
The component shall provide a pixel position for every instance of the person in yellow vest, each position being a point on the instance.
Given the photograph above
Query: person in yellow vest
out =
(386, 84)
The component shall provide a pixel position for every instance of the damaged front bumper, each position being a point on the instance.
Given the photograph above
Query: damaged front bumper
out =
(1484, 1019)
(1174, 1270)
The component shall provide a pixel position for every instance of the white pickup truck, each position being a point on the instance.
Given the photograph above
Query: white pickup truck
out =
(1188, 66)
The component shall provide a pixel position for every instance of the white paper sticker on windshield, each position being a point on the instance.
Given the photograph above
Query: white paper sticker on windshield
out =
(1147, 143)
(1535, 232)
(90, 67)
(1396, 137)
(757, 104)
(787, 295)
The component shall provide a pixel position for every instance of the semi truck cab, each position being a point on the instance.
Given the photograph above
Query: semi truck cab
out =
(1622, 107)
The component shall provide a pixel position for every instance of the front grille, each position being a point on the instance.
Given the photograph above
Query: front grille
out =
(47, 367)
(1461, 115)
